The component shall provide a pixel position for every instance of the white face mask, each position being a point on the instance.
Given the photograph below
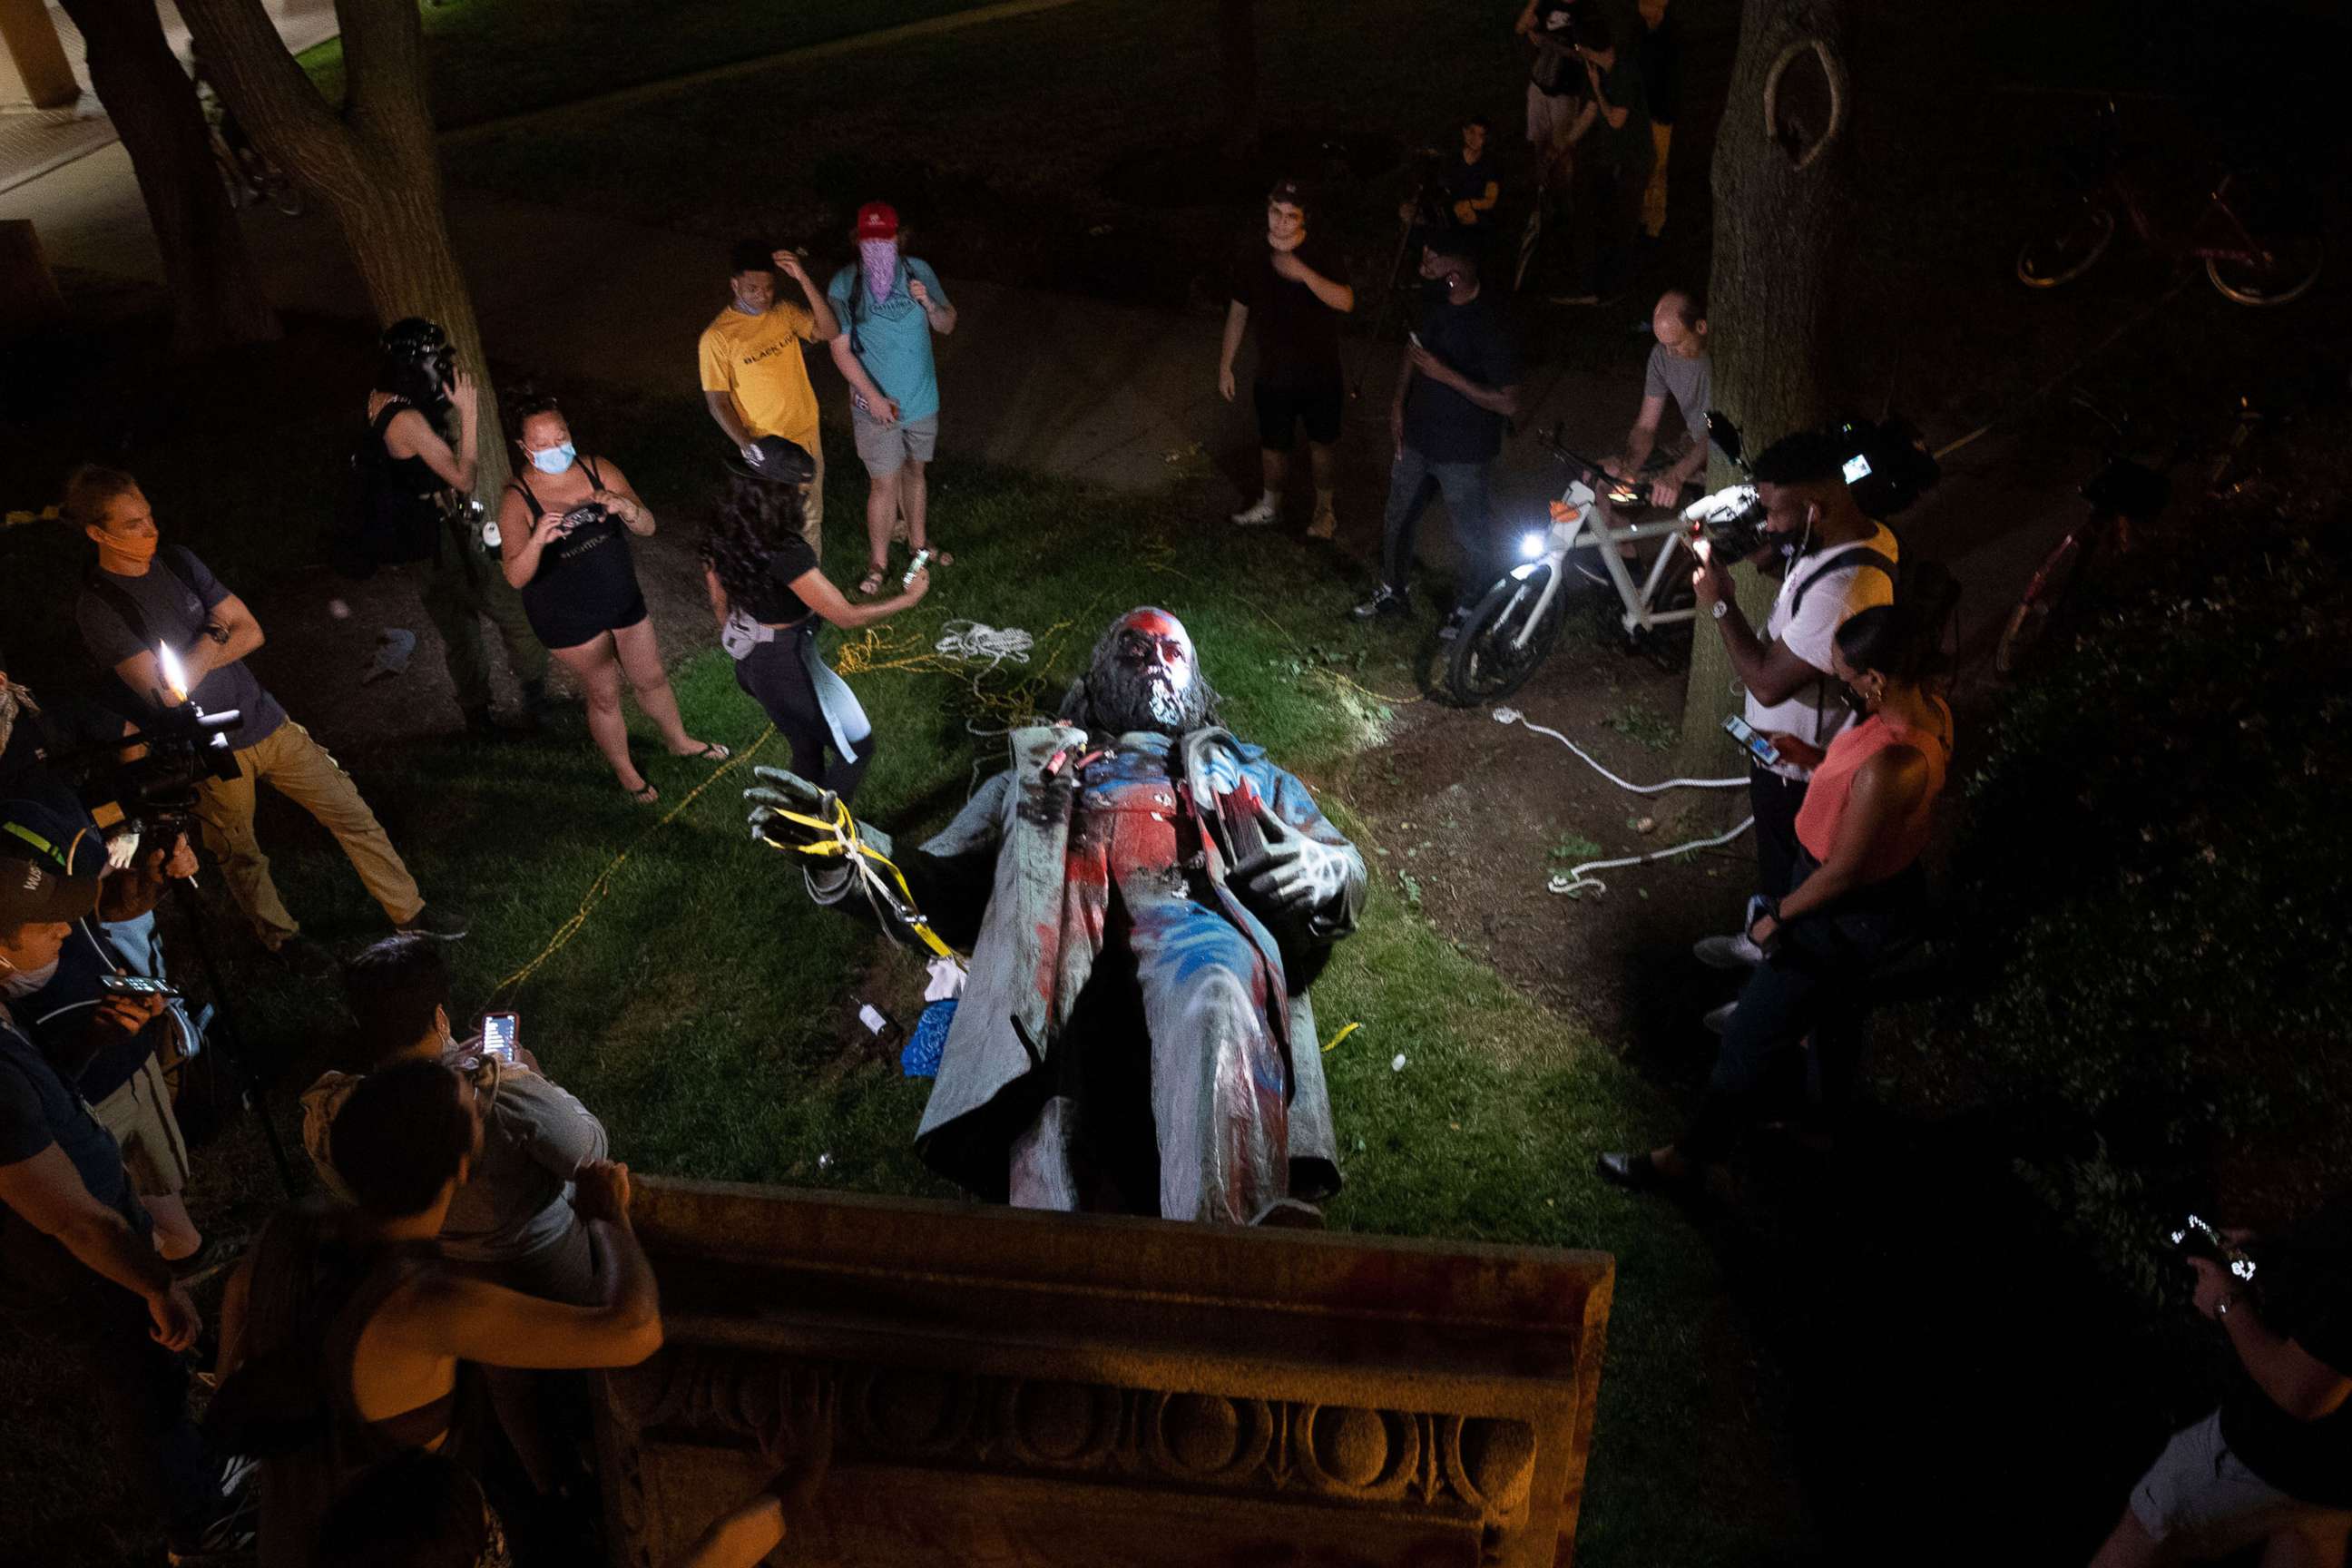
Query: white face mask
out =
(25, 981)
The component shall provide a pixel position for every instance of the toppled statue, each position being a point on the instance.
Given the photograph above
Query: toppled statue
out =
(1146, 900)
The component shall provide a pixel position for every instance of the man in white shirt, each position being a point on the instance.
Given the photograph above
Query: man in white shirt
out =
(1840, 562)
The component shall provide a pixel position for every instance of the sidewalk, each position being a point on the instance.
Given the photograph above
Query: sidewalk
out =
(33, 141)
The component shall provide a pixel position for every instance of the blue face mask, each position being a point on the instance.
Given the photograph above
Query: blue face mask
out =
(555, 459)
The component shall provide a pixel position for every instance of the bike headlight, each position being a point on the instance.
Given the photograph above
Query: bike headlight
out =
(1531, 546)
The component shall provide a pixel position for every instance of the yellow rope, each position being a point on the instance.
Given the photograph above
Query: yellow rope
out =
(602, 885)
(848, 844)
(1341, 1035)
(46, 514)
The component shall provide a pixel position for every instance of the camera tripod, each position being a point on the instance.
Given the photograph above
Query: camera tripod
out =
(250, 1090)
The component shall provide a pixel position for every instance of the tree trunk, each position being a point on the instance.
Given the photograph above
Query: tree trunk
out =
(373, 162)
(1237, 74)
(1784, 206)
(217, 298)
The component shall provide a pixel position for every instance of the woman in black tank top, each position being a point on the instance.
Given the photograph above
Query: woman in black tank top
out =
(563, 536)
(762, 575)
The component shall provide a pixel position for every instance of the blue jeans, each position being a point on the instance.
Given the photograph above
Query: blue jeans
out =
(1464, 485)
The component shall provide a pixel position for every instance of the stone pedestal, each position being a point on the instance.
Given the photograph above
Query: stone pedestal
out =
(1037, 1390)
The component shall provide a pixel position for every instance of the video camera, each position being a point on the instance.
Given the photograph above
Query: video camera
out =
(156, 788)
(1887, 467)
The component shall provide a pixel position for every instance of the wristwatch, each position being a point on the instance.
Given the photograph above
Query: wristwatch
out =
(1722, 608)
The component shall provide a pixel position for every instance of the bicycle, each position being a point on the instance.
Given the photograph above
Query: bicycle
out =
(2123, 493)
(2243, 259)
(1513, 628)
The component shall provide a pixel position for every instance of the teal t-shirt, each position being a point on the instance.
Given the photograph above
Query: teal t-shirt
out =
(893, 337)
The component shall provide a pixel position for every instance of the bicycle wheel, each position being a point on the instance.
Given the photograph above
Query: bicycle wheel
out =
(2038, 606)
(2284, 269)
(1485, 664)
(2073, 241)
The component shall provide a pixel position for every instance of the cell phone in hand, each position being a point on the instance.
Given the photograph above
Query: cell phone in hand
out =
(136, 985)
(1741, 730)
(500, 1034)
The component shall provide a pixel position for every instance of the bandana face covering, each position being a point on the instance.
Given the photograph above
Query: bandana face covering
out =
(881, 260)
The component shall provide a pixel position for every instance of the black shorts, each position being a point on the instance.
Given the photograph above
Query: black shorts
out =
(1280, 408)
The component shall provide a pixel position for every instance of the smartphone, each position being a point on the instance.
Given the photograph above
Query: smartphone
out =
(501, 1031)
(136, 985)
(1741, 730)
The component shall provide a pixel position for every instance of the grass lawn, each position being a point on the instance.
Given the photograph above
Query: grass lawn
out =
(489, 59)
(705, 1009)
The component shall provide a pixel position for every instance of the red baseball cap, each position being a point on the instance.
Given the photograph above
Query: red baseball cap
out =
(877, 220)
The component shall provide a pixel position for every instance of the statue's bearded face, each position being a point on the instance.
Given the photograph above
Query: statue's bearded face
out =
(1145, 675)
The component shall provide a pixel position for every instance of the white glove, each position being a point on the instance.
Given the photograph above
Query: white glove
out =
(1293, 874)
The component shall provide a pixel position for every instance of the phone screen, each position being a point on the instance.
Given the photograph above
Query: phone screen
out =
(1762, 750)
(134, 985)
(501, 1031)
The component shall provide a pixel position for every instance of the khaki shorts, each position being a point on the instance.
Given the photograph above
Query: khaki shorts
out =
(886, 448)
(139, 1116)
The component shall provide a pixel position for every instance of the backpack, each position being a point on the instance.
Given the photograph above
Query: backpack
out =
(378, 522)
(1926, 592)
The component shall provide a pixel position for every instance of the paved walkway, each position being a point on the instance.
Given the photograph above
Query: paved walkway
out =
(33, 141)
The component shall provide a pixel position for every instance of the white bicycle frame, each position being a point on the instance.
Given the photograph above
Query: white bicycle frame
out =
(1590, 523)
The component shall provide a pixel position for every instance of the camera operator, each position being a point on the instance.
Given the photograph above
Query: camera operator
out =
(1679, 370)
(1840, 562)
(78, 1273)
(142, 597)
(512, 1221)
(417, 386)
(2273, 1463)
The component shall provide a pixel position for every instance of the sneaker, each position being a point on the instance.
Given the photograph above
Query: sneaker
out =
(1325, 526)
(305, 957)
(436, 920)
(1727, 951)
(1719, 1019)
(1266, 510)
(1453, 627)
(1386, 602)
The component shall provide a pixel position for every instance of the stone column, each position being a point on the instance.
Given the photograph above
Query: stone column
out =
(41, 70)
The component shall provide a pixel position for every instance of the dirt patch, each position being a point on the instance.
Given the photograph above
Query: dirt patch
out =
(1478, 815)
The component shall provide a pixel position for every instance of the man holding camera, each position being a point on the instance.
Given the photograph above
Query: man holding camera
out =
(1837, 563)
(2271, 1466)
(754, 379)
(78, 1273)
(140, 599)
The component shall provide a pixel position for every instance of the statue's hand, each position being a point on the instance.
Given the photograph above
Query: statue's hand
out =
(1293, 875)
(788, 795)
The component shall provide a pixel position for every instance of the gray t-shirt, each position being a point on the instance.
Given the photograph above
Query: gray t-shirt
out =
(515, 1209)
(1685, 380)
(173, 598)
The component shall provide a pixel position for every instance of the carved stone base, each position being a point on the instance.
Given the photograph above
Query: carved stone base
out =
(1033, 1390)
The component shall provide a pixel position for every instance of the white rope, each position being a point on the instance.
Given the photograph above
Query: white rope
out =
(1513, 716)
(971, 642)
(1573, 881)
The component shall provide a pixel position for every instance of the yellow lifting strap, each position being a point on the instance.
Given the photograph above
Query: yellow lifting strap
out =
(846, 843)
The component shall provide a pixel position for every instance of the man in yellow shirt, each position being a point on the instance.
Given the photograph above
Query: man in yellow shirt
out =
(754, 381)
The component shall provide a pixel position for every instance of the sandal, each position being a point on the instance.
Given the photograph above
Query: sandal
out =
(644, 796)
(871, 584)
(712, 752)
